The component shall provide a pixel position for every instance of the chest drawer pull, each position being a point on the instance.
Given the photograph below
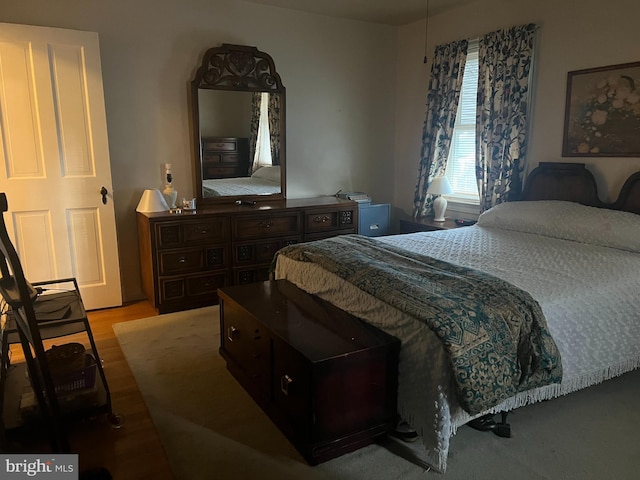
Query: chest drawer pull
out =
(201, 230)
(285, 382)
(322, 219)
(232, 332)
(267, 224)
(182, 259)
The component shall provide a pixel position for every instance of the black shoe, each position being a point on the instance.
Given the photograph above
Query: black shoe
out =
(483, 423)
(486, 423)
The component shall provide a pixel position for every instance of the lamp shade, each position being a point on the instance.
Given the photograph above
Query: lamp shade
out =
(152, 201)
(440, 186)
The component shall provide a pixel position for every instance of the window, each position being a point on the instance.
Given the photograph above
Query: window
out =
(461, 164)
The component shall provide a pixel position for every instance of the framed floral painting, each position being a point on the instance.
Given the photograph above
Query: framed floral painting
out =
(602, 113)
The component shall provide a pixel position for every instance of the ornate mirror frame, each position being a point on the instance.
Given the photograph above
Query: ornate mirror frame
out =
(236, 68)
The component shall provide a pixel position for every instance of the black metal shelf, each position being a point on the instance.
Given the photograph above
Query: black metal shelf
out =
(74, 405)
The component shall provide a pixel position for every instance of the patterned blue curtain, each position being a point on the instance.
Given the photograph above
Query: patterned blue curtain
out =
(442, 103)
(505, 61)
(274, 127)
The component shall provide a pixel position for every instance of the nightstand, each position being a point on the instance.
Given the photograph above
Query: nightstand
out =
(426, 225)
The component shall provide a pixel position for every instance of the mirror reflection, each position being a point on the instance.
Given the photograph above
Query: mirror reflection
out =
(240, 147)
(238, 104)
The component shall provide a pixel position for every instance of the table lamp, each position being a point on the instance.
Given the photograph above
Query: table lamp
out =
(439, 186)
(152, 201)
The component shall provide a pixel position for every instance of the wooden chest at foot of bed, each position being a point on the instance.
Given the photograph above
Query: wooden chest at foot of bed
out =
(324, 377)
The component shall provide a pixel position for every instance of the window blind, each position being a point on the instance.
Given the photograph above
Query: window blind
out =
(461, 164)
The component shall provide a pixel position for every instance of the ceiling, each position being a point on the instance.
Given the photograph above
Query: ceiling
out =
(389, 12)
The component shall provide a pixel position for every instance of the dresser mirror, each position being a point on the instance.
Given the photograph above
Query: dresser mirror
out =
(238, 105)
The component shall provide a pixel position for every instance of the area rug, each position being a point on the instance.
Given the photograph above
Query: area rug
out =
(211, 428)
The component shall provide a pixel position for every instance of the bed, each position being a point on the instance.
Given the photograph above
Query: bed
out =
(579, 268)
(264, 181)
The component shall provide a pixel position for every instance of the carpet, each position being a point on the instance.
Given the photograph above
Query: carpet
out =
(211, 428)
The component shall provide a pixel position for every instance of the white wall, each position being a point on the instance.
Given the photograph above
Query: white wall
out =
(339, 76)
(574, 35)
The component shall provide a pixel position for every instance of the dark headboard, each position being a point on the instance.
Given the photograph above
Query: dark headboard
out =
(629, 198)
(572, 182)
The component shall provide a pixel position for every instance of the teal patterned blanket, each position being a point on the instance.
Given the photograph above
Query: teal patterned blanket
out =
(494, 333)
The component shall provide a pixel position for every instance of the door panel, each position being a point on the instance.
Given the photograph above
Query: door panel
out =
(54, 150)
(40, 263)
(20, 133)
(84, 238)
(69, 91)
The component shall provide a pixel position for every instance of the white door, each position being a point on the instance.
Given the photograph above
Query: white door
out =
(54, 159)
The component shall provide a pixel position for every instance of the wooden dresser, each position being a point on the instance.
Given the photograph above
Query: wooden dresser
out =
(186, 257)
(327, 379)
(224, 157)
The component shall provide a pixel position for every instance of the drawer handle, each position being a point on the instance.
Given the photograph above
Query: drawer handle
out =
(267, 224)
(202, 230)
(182, 259)
(232, 332)
(322, 219)
(285, 381)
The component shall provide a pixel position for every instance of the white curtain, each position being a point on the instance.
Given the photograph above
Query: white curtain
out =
(262, 155)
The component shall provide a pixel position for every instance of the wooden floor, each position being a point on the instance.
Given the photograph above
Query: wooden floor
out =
(132, 451)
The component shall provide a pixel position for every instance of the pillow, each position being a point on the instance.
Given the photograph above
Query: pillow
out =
(271, 173)
(569, 221)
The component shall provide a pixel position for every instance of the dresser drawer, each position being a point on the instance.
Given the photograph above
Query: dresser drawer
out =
(260, 251)
(208, 285)
(214, 230)
(261, 226)
(180, 261)
(177, 234)
(216, 159)
(251, 274)
(196, 288)
(168, 234)
(212, 159)
(319, 221)
(226, 146)
(230, 159)
(173, 262)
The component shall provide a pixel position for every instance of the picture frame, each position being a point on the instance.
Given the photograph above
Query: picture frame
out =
(602, 112)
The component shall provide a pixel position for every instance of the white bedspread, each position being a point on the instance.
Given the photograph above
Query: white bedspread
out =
(239, 186)
(589, 293)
